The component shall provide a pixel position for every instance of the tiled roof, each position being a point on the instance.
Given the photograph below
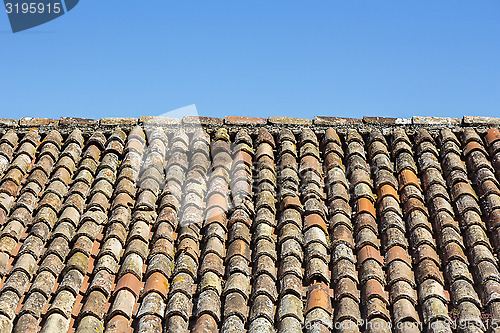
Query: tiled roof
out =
(249, 224)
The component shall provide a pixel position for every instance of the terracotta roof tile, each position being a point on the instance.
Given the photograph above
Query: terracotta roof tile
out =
(233, 120)
(336, 121)
(290, 121)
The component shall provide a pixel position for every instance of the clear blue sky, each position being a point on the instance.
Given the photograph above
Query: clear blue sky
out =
(260, 58)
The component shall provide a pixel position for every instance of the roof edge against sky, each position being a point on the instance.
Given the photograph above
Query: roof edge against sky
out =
(363, 125)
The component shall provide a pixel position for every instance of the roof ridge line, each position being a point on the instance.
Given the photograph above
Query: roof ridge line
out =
(364, 124)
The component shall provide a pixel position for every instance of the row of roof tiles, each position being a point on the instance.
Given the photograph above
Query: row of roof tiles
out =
(249, 121)
(289, 233)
